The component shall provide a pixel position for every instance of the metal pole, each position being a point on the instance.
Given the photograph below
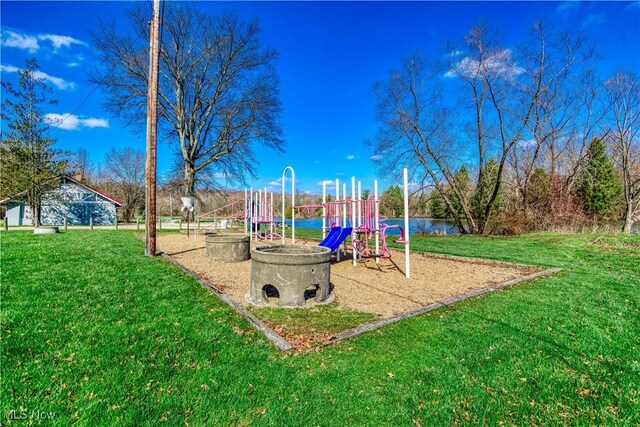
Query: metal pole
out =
(406, 224)
(346, 208)
(359, 214)
(271, 217)
(293, 203)
(324, 209)
(337, 219)
(152, 119)
(353, 218)
(245, 212)
(377, 218)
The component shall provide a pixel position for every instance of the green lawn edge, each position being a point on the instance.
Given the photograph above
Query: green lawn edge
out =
(95, 333)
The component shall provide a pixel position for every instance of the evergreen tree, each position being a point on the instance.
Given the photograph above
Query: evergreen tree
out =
(392, 202)
(437, 206)
(486, 185)
(598, 186)
(463, 183)
(29, 160)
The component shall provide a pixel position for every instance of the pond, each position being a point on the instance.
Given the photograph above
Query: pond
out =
(416, 225)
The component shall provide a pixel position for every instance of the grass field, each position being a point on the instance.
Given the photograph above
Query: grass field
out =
(94, 333)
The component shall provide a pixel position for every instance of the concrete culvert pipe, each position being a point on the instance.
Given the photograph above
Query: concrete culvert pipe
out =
(227, 247)
(290, 270)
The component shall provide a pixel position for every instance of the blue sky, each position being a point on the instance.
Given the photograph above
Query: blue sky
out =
(330, 54)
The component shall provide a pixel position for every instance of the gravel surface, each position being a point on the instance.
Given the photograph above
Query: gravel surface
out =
(379, 289)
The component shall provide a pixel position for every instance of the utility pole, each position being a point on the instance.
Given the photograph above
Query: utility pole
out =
(152, 127)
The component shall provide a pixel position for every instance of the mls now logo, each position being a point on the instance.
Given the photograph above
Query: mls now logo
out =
(34, 414)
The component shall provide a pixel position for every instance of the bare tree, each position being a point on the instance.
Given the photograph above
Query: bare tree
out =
(123, 175)
(623, 126)
(565, 119)
(80, 164)
(218, 89)
(414, 131)
(500, 90)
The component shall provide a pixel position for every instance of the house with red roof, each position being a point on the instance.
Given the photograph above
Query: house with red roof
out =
(68, 199)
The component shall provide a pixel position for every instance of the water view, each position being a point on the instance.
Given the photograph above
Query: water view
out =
(416, 225)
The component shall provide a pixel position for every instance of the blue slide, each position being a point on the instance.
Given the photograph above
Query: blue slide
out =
(338, 238)
(333, 233)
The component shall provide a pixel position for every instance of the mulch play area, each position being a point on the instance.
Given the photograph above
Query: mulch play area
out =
(379, 289)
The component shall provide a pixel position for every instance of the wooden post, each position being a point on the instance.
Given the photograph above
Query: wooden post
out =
(180, 224)
(91, 222)
(138, 224)
(6, 222)
(160, 223)
(116, 223)
(65, 224)
(152, 122)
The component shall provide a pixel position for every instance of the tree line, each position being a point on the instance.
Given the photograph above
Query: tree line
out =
(498, 139)
(508, 140)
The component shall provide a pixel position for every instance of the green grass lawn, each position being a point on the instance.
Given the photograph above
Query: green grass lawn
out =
(94, 333)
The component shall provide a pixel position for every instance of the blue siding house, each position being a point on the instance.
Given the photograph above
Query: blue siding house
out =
(68, 199)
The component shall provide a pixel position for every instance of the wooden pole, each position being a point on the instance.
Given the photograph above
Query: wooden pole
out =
(152, 122)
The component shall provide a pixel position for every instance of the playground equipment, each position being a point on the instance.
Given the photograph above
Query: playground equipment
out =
(366, 224)
(258, 214)
(290, 270)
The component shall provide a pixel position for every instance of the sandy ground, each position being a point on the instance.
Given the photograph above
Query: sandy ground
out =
(382, 290)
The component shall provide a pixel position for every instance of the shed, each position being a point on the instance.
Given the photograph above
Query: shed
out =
(67, 199)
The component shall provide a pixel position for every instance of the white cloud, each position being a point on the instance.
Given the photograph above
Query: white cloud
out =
(339, 173)
(58, 82)
(72, 64)
(20, 41)
(376, 157)
(632, 5)
(499, 64)
(595, 19)
(331, 185)
(351, 157)
(68, 121)
(9, 68)
(307, 192)
(93, 122)
(217, 175)
(31, 43)
(527, 142)
(59, 41)
(568, 6)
